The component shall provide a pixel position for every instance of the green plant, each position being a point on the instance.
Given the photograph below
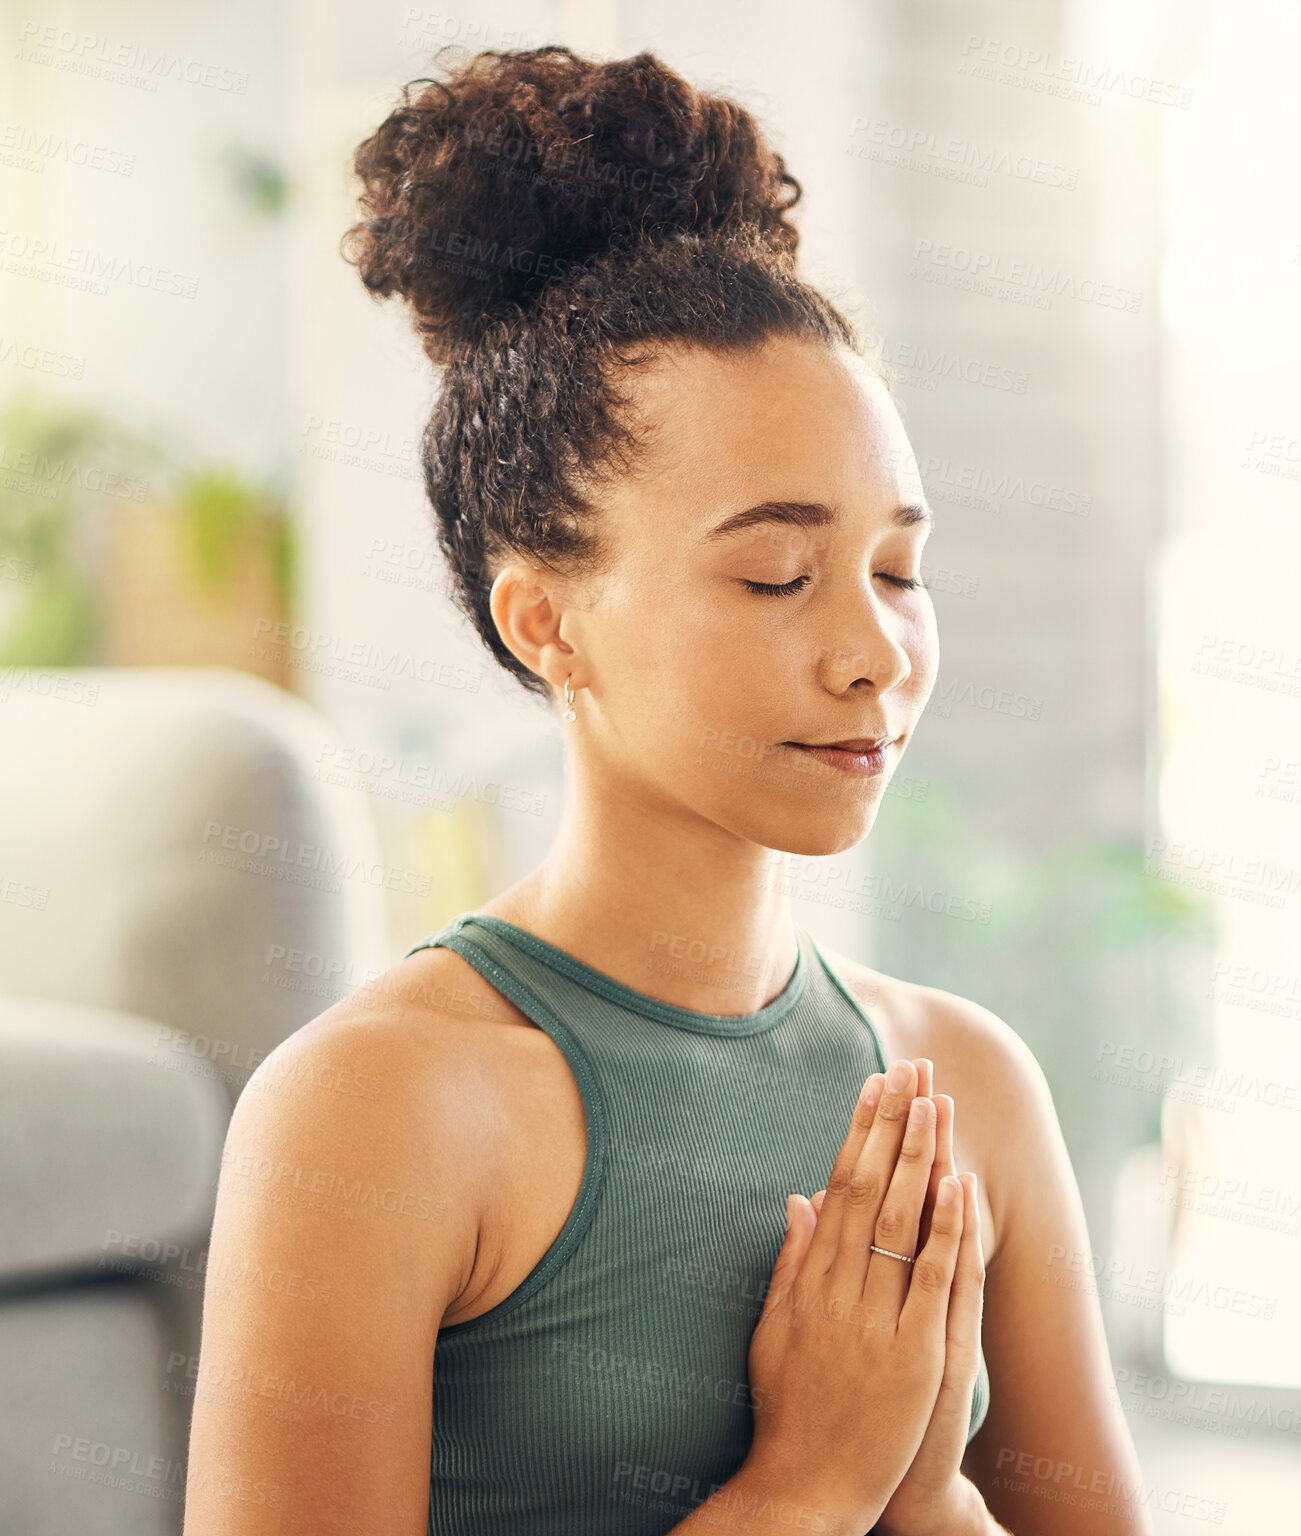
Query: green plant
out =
(62, 466)
(216, 504)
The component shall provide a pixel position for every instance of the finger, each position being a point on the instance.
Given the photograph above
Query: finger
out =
(926, 1307)
(887, 1279)
(790, 1256)
(925, 1074)
(924, 1069)
(859, 1199)
(943, 1164)
(823, 1247)
(966, 1299)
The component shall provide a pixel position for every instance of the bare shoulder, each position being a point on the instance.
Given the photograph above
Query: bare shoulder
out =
(1003, 1106)
(347, 1224)
(373, 1103)
(916, 1020)
(405, 1071)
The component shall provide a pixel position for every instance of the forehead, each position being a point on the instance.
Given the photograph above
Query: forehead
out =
(792, 418)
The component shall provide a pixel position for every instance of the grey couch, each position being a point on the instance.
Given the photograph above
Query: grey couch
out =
(178, 893)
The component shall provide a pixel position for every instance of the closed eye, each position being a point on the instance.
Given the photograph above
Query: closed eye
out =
(783, 588)
(777, 587)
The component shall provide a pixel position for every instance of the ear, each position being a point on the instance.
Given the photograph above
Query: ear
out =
(527, 606)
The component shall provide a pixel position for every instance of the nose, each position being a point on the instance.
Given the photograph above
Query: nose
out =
(868, 642)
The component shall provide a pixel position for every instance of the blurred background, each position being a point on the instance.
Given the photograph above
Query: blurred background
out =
(251, 754)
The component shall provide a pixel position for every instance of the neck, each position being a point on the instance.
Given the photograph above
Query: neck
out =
(660, 899)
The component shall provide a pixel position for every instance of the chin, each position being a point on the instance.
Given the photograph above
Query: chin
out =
(820, 843)
(810, 837)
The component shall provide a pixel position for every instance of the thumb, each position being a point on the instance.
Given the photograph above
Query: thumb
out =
(800, 1222)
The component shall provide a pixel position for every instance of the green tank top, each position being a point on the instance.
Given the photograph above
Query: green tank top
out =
(609, 1392)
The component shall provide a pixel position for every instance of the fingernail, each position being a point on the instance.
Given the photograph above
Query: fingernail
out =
(896, 1079)
(916, 1114)
(948, 1191)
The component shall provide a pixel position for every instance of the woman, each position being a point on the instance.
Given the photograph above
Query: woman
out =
(675, 497)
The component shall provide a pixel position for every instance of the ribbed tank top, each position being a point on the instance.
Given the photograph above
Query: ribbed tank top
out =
(608, 1393)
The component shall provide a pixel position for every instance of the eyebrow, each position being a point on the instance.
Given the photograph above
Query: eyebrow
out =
(808, 514)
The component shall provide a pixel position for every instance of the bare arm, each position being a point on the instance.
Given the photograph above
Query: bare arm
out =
(342, 1233)
(1054, 1456)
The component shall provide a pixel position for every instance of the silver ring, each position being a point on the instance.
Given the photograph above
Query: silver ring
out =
(890, 1255)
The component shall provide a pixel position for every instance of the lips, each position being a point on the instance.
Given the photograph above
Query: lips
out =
(859, 756)
(854, 744)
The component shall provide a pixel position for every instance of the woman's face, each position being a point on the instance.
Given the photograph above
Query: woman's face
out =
(694, 685)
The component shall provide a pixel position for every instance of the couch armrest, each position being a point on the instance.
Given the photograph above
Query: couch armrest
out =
(107, 1155)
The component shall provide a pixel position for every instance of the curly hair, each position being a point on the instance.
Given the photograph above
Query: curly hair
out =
(550, 221)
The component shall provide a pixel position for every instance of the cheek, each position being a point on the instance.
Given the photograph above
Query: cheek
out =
(921, 640)
(678, 669)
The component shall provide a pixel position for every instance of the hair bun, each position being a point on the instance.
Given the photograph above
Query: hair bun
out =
(519, 165)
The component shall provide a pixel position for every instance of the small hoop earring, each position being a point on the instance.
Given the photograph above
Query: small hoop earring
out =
(569, 701)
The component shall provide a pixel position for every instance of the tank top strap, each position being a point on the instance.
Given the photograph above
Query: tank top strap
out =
(525, 981)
